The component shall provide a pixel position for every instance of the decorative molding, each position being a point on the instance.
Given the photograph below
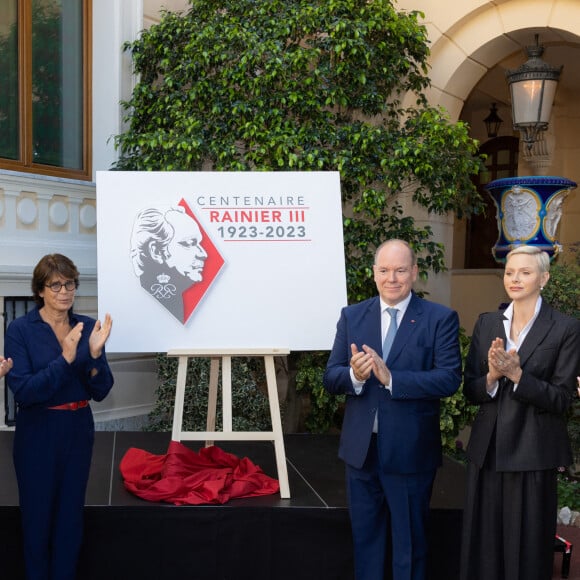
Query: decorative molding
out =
(540, 155)
(58, 214)
(26, 211)
(42, 215)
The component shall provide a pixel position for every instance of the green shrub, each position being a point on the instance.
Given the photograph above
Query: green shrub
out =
(324, 409)
(568, 492)
(307, 86)
(250, 407)
(562, 292)
(456, 411)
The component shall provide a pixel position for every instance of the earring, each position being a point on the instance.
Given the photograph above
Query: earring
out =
(541, 288)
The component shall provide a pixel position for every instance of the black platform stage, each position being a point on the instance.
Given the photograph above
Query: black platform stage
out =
(306, 537)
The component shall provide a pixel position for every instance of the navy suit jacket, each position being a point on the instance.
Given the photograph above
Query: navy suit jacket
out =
(530, 423)
(425, 364)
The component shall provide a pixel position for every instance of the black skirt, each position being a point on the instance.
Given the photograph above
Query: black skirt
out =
(509, 523)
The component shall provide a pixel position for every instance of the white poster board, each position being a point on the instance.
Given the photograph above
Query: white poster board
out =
(215, 260)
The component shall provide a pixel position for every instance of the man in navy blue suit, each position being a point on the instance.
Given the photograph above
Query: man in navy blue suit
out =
(390, 441)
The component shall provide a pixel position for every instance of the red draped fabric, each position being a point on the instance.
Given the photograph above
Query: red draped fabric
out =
(184, 477)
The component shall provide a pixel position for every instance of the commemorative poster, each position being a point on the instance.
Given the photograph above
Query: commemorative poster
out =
(203, 260)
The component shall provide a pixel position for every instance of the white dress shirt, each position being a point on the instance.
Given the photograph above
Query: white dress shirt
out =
(385, 322)
(510, 344)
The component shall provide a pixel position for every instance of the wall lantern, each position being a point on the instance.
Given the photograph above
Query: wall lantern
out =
(492, 122)
(533, 86)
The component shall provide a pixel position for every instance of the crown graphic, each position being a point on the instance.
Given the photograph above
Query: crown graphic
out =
(163, 278)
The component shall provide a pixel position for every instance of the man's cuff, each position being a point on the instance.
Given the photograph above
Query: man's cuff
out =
(356, 384)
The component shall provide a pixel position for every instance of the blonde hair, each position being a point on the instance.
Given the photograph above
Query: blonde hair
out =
(542, 257)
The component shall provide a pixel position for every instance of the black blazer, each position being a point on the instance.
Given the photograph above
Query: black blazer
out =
(530, 422)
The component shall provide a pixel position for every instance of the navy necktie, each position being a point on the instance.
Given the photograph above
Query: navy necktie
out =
(390, 336)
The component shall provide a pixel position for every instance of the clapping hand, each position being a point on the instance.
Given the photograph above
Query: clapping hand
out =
(367, 361)
(494, 362)
(379, 367)
(5, 365)
(99, 336)
(361, 363)
(503, 363)
(71, 343)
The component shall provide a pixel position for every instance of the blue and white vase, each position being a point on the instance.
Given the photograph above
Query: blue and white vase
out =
(529, 209)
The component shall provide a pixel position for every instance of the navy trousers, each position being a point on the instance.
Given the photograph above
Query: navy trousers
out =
(52, 458)
(383, 506)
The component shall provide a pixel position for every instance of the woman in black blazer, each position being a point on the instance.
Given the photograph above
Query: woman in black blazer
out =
(521, 370)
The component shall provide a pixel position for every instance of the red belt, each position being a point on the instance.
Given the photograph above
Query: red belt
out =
(71, 406)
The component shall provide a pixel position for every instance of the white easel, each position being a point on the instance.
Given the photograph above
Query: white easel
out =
(228, 434)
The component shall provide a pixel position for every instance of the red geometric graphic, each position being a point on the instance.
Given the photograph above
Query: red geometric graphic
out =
(213, 264)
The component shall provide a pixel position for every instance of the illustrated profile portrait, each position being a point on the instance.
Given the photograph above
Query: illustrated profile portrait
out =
(167, 255)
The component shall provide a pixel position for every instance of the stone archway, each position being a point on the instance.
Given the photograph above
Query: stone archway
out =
(465, 49)
(472, 44)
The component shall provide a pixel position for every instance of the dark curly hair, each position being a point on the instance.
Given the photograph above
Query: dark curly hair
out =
(48, 266)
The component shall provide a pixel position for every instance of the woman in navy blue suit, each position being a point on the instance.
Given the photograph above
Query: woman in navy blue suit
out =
(521, 370)
(59, 365)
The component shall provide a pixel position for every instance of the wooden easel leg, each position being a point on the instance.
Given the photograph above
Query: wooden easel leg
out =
(277, 427)
(214, 370)
(227, 393)
(227, 433)
(179, 397)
